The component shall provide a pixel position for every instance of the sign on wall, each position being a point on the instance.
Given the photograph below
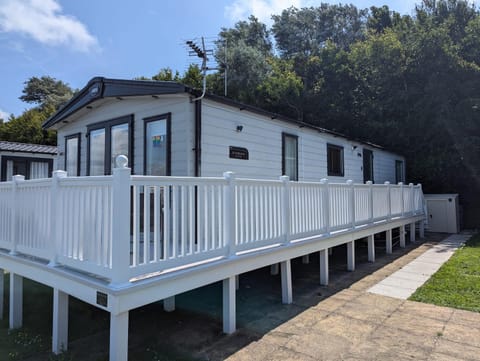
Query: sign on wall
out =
(238, 153)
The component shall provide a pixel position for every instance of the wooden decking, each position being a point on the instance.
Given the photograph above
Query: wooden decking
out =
(120, 242)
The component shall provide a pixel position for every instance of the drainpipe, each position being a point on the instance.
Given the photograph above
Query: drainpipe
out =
(198, 136)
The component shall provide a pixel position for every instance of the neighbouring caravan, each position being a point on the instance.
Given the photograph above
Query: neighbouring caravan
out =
(164, 131)
(30, 160)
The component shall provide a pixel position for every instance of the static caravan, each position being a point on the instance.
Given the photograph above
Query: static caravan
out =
(164, 130)
(31, 160)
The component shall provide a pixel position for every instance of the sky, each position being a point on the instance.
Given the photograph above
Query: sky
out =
(74, 41)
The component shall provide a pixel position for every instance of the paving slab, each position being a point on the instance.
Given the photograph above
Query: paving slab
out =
(403, 283)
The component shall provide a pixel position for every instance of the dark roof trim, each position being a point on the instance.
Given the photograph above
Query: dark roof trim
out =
(98, 88)
(28, 148)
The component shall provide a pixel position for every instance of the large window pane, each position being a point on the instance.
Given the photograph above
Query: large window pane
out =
(290, 156)
(156, 147)
(71, 156)
(119, 142)
(38, 170)
(335, 160)
(97, 152)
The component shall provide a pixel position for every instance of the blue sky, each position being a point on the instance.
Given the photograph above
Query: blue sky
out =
(74, 41)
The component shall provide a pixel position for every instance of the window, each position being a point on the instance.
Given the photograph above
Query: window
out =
(72, 154)
(399, 176)
(106, 141)
(31, 168)
(157, 145)
(334, 160)
(290, 156)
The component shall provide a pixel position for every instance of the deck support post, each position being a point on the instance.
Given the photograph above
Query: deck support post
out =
(16, 301)
(324, 267)
(169, 304)
(412, 232)
(2, 291)
(237, 282)
(60, 322)
(371, 248)
(330, 251)
(421, 232)
(351, 256)
(274, 269)
(286, 274)
(402, 236)
(306, 259)
(229, 305)
(388, 241)
(119, 337)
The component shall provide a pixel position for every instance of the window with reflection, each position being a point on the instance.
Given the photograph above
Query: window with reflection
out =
(157, 145)
(72, 154)
(290, 156)
(106, 141)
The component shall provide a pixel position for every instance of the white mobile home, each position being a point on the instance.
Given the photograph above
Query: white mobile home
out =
(163, 132)
(165, 220)
(31, 160)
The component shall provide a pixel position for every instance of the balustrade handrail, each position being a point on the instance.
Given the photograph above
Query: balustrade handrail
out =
(99, 225)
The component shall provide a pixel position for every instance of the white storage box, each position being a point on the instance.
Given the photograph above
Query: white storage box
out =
(443, 213)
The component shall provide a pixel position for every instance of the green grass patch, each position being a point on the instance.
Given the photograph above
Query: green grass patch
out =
(457, 283)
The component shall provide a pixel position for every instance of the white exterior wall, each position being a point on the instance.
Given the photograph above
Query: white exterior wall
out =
(182, 115)
(262, 137)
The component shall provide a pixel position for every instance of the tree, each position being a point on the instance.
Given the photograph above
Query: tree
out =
(46, 91)
(304, 32)
(27, 128)
(244, 49)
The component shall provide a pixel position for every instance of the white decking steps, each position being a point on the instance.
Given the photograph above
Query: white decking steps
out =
(403, 283)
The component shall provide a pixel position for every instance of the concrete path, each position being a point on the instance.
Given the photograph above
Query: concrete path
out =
(403, 283)
(354, 324)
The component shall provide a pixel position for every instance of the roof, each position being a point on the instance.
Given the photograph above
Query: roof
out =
(28, 148)
(99, 88)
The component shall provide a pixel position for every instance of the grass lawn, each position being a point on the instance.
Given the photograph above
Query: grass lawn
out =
(457, 282)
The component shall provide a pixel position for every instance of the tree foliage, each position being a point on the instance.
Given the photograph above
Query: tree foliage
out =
(409, 83)
(48, 95)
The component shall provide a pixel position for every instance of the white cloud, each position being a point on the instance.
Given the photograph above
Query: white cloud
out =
(4, 115)
(262, 9)
(44, 21)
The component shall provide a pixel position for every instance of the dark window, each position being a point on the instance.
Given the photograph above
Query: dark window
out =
(399, 176)
(31, 168)
(72, 154)
(334, 160)
(157, 145)
(106, 141)
(368, 165)
(290, 156)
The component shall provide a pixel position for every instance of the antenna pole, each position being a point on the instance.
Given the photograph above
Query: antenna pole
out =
(226, 68)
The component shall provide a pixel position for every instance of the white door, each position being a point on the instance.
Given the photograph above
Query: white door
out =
(437, 215)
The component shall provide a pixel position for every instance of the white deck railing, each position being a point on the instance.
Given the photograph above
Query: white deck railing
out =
(124, 226)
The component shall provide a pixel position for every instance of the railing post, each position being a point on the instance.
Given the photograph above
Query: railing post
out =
(351, 192)
(16, 179)
(402, 198)
(55, 217)
(121, 222)
(412, 201)
(370, 195)
(286, 207)
(389, 200)
(326, 204)
(229, 213)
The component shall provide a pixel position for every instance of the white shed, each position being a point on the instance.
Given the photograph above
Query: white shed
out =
(163, 132)
(31, 160)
